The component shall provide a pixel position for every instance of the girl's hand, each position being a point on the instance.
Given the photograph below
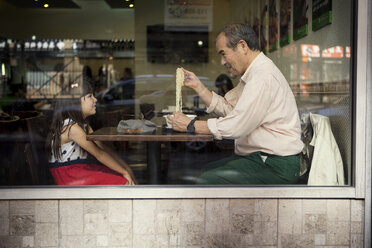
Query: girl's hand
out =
(130, 181)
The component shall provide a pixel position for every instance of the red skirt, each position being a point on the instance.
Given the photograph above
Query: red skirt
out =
(86, 174)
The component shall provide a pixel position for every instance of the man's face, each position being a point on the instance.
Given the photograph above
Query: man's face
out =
(232, 59)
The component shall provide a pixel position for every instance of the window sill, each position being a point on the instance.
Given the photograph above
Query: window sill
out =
(173, 192)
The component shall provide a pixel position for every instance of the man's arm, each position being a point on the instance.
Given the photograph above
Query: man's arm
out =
(181, 121)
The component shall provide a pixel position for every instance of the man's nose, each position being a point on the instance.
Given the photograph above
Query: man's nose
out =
(223, 61)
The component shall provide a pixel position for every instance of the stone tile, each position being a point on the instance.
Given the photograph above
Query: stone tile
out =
(357, 210)
(28, 241)
(356, 227)
(217, 216)
(338, 233)
(290, 217)
(320, 239)
(164, 240)
(296, 241)
(192, 234)
(46, 211)
(144, 217)
(168, 222)
(193, 210)
(164, 205)
(46, 234)
(266, 210)
(356, 241)
(266, 233)
(22, 225)
(246, 206)
(120, 234)
(241, 223)
(222, 240)
(247, 240)
(71, 217)
(11, 241)
(4, 208)
(318, 206)
(22, 207)
(102, 240)
(315, 223)
(95, 224)
(120, 210)
(338, 210)
(4, 218)
(144, 241)
(95, 206)
(78, 241)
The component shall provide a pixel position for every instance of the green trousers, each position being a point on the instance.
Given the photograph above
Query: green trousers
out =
(256, 168)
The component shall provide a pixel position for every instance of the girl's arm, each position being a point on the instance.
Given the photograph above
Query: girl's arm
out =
(78, 135)
(114, 154)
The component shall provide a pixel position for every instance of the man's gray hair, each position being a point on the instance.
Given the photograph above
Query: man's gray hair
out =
(236, 32)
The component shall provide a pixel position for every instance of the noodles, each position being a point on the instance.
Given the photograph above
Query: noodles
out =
(180, 76)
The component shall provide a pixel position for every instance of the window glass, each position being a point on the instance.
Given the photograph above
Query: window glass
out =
(126, 56)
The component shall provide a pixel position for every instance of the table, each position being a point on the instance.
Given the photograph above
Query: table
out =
(153, 144)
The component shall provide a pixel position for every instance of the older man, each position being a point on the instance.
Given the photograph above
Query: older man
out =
(260, 114)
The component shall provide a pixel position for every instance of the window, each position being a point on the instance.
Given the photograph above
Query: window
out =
(42, 65)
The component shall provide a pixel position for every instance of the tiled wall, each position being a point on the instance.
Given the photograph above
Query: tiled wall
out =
(182, 223)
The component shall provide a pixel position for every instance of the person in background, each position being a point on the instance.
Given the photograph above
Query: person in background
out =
(127, 74)
(260, 114)
(73, 159)
(224, 84)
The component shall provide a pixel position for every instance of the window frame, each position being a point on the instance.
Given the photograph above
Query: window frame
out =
(361, 152)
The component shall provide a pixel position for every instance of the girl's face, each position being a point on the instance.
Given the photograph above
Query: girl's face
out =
(88, 105)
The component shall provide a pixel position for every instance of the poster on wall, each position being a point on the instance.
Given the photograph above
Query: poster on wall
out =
(273, 26)
(300, 19)
(285, 22)
(322, 13)
(264, 24)
(180, 15)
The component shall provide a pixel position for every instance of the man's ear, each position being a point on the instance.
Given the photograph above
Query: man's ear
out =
(244, 46)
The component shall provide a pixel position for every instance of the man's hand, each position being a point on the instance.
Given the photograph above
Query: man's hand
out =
(191, 80)
(179, 121)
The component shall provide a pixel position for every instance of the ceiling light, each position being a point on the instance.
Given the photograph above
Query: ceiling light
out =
(46, 5)
(33, 37)
(131, 5)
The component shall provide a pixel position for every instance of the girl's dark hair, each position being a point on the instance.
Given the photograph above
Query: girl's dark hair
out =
(224, 79)
(236, 32)
(66, 109)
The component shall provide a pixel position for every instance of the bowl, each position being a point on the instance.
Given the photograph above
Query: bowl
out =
(169, 125)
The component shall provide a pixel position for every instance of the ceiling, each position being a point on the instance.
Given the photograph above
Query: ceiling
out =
(66, 4)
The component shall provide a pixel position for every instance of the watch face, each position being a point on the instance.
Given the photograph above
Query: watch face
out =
(177, 9)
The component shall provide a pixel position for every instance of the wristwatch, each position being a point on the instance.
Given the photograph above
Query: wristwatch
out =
(191, 127)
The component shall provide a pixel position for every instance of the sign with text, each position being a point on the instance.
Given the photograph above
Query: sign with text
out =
(188, 15)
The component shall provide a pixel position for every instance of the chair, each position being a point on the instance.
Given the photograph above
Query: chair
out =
(32, 165)
(37, 129)
(10, 140)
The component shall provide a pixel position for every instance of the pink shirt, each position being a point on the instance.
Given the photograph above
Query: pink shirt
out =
(260, 113)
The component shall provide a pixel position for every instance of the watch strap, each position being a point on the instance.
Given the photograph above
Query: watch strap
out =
(191, 127)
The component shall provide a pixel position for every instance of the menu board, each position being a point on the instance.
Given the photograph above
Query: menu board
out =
(322, 13)
(300, 19)
(285, 22)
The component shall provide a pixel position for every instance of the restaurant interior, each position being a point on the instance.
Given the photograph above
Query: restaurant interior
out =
(129, 52)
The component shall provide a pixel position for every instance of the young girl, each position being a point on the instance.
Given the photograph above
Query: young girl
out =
(73, 159)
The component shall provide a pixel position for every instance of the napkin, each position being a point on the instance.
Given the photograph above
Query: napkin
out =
(136, 126)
